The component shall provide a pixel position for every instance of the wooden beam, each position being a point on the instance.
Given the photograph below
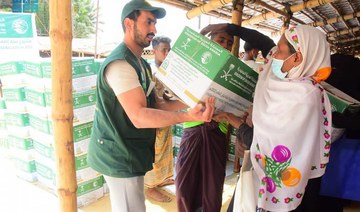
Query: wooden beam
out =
(187, 6)
(205, 8)
(332, 35)
(293, 9)
(336, 41)
(336, 19)
(353, 9)
(282, 12)
(339, 14)
(62, 104)
(328, 21)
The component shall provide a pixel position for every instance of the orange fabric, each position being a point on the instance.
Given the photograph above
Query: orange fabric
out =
(163, 167)
(321, 74)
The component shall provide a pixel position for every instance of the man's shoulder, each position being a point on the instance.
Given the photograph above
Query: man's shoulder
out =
(119, 63)
(119, 52)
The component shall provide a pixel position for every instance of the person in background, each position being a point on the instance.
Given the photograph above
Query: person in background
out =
(163, 170)
(223, 39)
(336, 189)
(291, 118)
(250, 55)
(243, 125)
(249, 58)
(201, 163)
(127, 113)
(344, 78)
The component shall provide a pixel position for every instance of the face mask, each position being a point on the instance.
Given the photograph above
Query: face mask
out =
(276, 66)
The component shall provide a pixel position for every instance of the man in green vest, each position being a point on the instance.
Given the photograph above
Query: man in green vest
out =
(127, 113)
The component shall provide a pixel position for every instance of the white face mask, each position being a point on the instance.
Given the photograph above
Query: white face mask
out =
(276, 66)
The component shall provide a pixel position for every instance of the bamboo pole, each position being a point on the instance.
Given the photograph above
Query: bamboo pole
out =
(344, 40)
(238, 6)
(336, 19)
(327, 21)
(347, 48)
(62, 107)
(236, 19)
(343, 32)
(187, 6)
(96, 28)
(274, 9)
(293, 9)
(213, 4)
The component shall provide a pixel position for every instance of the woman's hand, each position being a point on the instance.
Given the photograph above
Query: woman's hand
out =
(249, 116)
(235, 121)
(221, 117)
(240, 149)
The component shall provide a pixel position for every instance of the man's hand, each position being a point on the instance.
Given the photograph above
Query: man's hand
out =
(198, 114)
(213, 28)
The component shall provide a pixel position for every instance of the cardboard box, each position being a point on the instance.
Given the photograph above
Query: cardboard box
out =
(12, 73)
(340, 101)
(39, 72)
(196, 67)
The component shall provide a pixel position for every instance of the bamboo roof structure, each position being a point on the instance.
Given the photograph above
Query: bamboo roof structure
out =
(339, 19)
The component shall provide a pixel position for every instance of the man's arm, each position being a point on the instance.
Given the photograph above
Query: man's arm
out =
(170, 104)
(263, 42)
(122, 78)
(134, 104)
(164, 102)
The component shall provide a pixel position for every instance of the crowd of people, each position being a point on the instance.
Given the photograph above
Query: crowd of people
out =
(287, 129)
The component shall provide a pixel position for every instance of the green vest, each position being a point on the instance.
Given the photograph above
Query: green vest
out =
(117, 148)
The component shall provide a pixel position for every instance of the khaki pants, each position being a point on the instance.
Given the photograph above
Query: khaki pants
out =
(126, 194)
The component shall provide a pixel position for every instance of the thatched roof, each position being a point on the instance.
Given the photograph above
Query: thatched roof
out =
(339, 19)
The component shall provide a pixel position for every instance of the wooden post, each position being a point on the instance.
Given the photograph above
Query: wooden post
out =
(96, 28)
(62, 105)
(237, 19)
(286, 19)
(237, 12)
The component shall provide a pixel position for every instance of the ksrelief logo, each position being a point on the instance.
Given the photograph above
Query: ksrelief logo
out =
(91, 98)
(206, 57)
(185, 45)
(20, 26)
(87, 68)
(227, 73)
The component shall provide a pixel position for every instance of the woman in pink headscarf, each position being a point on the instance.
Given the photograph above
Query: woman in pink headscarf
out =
(291, 119)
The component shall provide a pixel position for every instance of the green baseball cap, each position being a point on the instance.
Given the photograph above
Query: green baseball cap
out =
(141, 5)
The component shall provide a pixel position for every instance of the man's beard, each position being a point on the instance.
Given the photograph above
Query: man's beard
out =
(138, 40)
